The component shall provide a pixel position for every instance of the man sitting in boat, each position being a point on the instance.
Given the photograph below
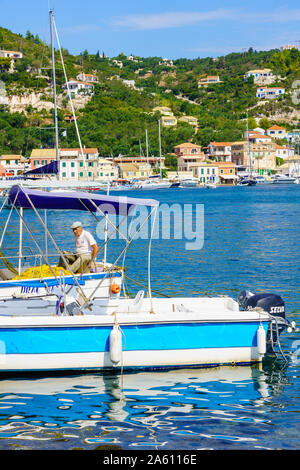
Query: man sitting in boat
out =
(86, 250)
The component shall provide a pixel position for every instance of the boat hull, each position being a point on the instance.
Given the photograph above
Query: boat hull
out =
(148, 341)
(35, 287)
(287, 181)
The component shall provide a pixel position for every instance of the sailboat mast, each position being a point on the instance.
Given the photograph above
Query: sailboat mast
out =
(159, 140)
(54, 85)
(147, 153)
(248, 149)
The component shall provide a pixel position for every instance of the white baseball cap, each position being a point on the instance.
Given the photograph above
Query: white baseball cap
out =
(76, 224)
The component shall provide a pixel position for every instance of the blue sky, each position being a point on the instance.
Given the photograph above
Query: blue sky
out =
(164, 28)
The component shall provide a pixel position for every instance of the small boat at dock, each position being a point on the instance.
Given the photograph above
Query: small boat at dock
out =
(73, 326)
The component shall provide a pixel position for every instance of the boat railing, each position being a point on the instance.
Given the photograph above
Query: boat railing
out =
(34, 262)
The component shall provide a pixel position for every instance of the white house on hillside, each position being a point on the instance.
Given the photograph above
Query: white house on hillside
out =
(77, 86)
(277, 132)
(269, 93)
(256, 137)
(87, 77)
(13, 55)
(209, 80)
(261, 76)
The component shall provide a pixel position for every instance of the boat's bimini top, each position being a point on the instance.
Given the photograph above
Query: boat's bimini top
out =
(117, 205)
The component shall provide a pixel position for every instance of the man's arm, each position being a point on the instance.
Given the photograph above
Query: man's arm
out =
(94, 254)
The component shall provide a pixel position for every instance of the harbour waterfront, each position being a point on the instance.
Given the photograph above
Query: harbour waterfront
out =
(251, 240)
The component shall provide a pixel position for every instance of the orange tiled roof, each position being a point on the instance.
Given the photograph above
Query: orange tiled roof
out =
(224, 164)
(187, 144)
(80, 81)
(85, 150)
(276, 127)
(220, 144)
(258, 135)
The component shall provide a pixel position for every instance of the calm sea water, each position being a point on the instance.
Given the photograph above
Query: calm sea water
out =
(251, 240)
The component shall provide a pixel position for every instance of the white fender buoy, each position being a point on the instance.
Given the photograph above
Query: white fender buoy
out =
(115, 345)
(261, 340)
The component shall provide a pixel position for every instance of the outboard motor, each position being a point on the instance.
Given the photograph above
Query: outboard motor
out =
(270, 303)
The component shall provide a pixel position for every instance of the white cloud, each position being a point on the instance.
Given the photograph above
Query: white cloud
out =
(178, 19)
(168, 20)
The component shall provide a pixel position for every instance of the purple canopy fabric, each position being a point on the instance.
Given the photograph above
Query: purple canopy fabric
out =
(75, 200)
(50, 168)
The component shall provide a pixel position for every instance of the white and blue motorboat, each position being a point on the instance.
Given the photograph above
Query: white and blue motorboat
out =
(261, 179)
(188, 183)
(247, 182)
(282, 179)
(69, 328)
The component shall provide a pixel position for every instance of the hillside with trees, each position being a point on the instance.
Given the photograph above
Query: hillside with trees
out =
(115, 117)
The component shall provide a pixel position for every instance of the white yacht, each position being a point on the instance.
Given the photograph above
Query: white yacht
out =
(189, 183)
(152, 184)
(282, 179)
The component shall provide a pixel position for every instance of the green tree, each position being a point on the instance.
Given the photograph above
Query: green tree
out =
(264, 123)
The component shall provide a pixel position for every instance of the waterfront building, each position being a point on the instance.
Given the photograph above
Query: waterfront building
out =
(226, 172)
(219, 151)
(154, 162)
(106, 170)
(187, 155)
(205, 172)
(263, 157)
(130, 171)
(41, 157)
(74, 165)
(13, 164)
(239, 153)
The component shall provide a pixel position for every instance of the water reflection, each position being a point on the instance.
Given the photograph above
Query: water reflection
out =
(142, 409)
